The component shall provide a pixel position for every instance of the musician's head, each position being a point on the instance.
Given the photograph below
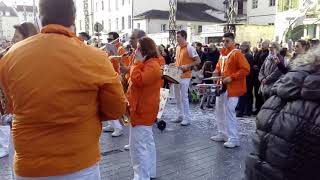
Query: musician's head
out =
(23, 31)
(135, 36)
(84, 36)
(112, 36)
(182, 37)
(228, 40)
(147, 47)
(61, 12)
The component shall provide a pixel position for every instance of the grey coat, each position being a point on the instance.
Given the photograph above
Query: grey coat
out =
(271, 73)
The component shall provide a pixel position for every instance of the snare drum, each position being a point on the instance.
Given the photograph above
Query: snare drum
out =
(172, 74)
(207, 88)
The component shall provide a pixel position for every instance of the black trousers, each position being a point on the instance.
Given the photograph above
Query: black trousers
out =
(245, 103)
(259, 99)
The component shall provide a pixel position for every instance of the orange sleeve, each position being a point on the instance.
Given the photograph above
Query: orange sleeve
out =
(121, 51)
(111, 98)
(144, 74)
(218, 67)
(162, 61)
(116, 65)
(243, 66)
(4, 85)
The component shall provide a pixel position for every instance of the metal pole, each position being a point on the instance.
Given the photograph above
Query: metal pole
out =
(172, 22)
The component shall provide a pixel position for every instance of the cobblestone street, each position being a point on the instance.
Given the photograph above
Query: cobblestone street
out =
(182, 152)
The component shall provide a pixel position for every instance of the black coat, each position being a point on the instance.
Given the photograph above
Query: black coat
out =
(213, 57)
(287, 140)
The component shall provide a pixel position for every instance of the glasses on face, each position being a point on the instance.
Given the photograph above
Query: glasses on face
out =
(225, 41)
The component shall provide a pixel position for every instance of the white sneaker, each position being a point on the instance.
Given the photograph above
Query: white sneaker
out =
(108, 129)
(178, 120)
(127, 147)
(230, 144)
(117, 132)
(219, 138)
(185, 122)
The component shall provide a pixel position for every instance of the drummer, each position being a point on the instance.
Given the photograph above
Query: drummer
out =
(186, 58)
(234, 68)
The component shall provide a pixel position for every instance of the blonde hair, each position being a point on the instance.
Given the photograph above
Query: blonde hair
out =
(311, 57)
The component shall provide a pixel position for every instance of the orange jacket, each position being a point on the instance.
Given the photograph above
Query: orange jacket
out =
(59, 90)
(236, 67)
(144, 92)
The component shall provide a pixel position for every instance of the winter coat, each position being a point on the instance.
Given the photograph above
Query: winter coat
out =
(270, 72)
(287, 139)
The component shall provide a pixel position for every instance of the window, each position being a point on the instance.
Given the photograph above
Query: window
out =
(117, 7)
(129, 22)
(240, 7)
(122, 24)
(109, 5)
(102, 5)
(199, 29)
(163, 27)
(109, 25)
(285, 5)
(80, 25)
(117, 24)
(102, 24)
(138, 25)
(272, 2)
(254, 4)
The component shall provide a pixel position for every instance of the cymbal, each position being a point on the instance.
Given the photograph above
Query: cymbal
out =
(213, 78)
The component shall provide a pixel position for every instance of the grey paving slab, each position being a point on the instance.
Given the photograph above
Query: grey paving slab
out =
(183, 153)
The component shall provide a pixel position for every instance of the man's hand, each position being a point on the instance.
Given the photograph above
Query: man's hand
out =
(139, 57)
(276, 60)
(264, 81)
(124, 69)
(227, 80)
(184, 67)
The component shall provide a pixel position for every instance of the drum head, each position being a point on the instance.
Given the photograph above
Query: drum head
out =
(170, 79)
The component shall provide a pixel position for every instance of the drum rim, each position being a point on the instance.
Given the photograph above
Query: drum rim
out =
(168, 78)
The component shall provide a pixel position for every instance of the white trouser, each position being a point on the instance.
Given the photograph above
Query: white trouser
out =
(116, 124)
(142, 152)
(181, 96)
(226, 117)
(11, 155)
(91, 173)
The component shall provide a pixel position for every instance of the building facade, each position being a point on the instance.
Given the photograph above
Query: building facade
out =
(8, 18)
(296, 19)
(261, 12)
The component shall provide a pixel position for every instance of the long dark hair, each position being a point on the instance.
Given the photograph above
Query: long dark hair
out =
(148, 48)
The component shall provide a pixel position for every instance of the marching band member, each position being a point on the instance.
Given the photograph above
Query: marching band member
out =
(135, 36)
(114, 125)
(234, 68)
(186, 58)
(144, 98)
(57, 117)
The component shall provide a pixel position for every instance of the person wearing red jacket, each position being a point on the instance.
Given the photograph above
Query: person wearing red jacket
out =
(144, 98)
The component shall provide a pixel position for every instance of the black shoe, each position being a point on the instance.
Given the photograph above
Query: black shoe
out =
(209, 106)
(239, 115)
(201, 107)
(255, 112)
